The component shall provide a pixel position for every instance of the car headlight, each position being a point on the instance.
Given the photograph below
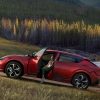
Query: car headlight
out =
(1, 58)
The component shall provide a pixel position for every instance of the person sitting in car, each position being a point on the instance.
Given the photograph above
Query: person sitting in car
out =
(47, 68)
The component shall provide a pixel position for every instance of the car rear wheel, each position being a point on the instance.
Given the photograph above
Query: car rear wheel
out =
(81, 80)
(14, 69)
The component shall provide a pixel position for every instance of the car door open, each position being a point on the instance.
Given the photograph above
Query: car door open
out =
(34, 62)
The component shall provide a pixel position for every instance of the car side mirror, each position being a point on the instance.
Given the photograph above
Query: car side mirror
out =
(34, 55)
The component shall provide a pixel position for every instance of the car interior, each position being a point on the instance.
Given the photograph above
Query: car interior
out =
(44, 61)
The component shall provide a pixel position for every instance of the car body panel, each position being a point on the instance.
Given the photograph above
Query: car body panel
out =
(19, 58)
(63, 71)
(34, 61)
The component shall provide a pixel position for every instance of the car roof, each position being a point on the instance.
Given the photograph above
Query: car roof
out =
(65, 52)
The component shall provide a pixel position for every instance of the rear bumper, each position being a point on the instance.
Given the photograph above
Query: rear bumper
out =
(95, 79)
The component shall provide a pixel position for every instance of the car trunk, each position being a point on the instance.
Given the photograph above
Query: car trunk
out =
(98, 70)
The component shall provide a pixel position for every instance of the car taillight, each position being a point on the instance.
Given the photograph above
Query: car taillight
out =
(97, 64)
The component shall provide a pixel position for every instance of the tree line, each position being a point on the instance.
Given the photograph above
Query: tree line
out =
(44, 32)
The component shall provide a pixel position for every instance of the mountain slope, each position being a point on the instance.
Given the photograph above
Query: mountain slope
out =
(11, 47)
(94, 3)
(71, 1)
(69, 10)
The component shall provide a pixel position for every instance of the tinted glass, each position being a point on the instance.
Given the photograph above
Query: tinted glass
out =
(69, 58)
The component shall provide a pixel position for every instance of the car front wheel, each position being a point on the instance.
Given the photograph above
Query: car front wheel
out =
(13, 69)
(81, 81)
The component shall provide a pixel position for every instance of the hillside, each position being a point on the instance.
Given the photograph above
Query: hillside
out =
(11, 47)
(93, 3)
(69, 10)
(25, 89)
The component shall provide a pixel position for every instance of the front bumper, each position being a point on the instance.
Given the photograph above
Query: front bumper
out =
(2, 65)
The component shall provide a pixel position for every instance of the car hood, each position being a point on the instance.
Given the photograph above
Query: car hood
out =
(15, 56)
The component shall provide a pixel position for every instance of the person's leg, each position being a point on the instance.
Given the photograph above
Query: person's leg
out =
(43, 74)
(44, 70)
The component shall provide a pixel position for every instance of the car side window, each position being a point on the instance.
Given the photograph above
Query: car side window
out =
(69, 58)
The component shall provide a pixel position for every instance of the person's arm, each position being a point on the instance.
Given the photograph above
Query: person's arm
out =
(50, 63)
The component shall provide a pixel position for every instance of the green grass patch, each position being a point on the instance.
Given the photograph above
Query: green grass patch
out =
(12, 47)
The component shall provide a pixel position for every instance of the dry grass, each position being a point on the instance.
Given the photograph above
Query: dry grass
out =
(12, 47)
(11, 89)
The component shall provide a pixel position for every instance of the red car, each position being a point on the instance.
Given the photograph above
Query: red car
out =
(68, 67)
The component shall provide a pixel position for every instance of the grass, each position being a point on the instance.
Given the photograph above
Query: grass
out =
(11, 89)
(12, 47)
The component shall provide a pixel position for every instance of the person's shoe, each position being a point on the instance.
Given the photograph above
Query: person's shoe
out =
(42, 80)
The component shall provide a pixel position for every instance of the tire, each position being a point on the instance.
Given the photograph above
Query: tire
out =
(14, 69)
(81, 80)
